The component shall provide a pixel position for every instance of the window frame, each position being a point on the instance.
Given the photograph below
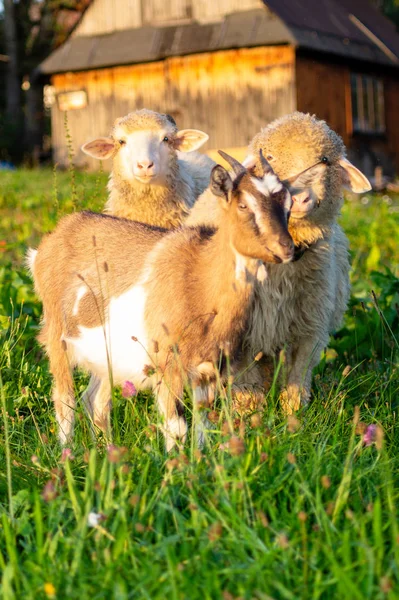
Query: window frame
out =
(368, 104)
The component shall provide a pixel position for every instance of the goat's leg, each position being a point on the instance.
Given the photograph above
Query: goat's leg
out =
(174, 426)
(303, 358)
(63, 393)
(101, 406)
(204, 388)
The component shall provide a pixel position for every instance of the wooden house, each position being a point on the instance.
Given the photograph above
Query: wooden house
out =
(229, 67)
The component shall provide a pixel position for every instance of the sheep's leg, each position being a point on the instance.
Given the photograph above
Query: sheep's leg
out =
(174, 426)
(62, 394)
(303, 358)
(252, 383)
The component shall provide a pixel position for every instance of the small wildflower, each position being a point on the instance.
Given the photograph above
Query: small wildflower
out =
(44, 438)
(192, 506)
(263, 518)
(282, 541)
(86, 456)
(325, 481)
(213, 416)
(171, 464)
(35, 459)
(66, 455)
(361, 428)
(116, 454)
(330, 508)
(139, 527)
(346, 371)
(349, 514)
(302, 516)
(236, 446)
(134, 500)
(385, 584)
(291, 458)
(374, 435)
(293, 424)
(129, 390)
(215, 531)
(49, 590)
(148, 370)
(49, 492)
(225, 428)
(263, 457)
(256, 420)
(94, 519)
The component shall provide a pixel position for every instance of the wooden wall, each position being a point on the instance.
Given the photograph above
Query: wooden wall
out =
(105, 16)
(323, 89)
(229, 94)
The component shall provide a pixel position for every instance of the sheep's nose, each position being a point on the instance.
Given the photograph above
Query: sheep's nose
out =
(145, 164)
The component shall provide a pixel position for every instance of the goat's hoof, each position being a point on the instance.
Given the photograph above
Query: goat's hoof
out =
(174, 429)
(247, 398)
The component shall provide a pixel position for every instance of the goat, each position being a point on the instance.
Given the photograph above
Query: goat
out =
(127, 301)
(298, 305)
(154, 178)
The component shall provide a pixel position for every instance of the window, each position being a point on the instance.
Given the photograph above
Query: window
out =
(367, 104)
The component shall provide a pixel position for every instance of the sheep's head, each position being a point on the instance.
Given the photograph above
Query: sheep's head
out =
(144, 146)
(256, 209)
(296, 142)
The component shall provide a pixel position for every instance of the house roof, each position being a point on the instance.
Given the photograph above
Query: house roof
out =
(347, 28)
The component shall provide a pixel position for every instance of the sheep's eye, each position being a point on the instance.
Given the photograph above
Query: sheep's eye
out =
(122, 142)
(269, 157)
(165, 139)
(325, 160)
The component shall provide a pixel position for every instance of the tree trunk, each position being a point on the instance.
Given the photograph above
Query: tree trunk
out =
(13, 87)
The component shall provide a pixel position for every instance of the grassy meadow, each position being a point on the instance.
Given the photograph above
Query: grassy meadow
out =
(271, 509)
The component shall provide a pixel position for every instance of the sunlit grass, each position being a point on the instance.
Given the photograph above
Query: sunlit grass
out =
(272, 508)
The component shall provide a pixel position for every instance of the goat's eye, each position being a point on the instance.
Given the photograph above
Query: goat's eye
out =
(165, 139)
(325, 160)
(242, 206)
(122, 142)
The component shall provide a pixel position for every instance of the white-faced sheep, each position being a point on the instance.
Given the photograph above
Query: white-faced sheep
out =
(156, 307)
(154, 179)
(298, 305)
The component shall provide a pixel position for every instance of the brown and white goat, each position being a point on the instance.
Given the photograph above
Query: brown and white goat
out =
(156, 307)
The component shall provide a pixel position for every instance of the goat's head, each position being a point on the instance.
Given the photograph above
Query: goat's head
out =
(257, 209)
(143, 145)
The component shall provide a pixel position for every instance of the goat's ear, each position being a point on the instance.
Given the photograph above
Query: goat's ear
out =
(306, 179)
(188, 140)
(221, 183)
(101, 148)
(352, 178)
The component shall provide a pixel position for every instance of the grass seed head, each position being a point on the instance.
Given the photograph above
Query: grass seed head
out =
(236, 446)
(49, 492)
(215, 531)
(325, 481)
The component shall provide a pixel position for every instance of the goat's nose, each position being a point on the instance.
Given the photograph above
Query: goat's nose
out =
(145, 164)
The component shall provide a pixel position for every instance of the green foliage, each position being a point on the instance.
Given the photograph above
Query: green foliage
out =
(297, 508)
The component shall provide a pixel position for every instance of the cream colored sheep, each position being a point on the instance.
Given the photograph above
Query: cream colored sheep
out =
(298, 305)
(154, 178)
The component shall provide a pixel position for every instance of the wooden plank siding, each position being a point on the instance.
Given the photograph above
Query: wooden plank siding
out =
(322, 89)
(229, 94)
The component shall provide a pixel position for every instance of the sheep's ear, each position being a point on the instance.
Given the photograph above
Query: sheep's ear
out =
(305, 179)
(101, 148)
(188, 140)
(352, 178)
(221, 183)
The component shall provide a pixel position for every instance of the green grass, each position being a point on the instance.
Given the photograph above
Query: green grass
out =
(297, 509)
